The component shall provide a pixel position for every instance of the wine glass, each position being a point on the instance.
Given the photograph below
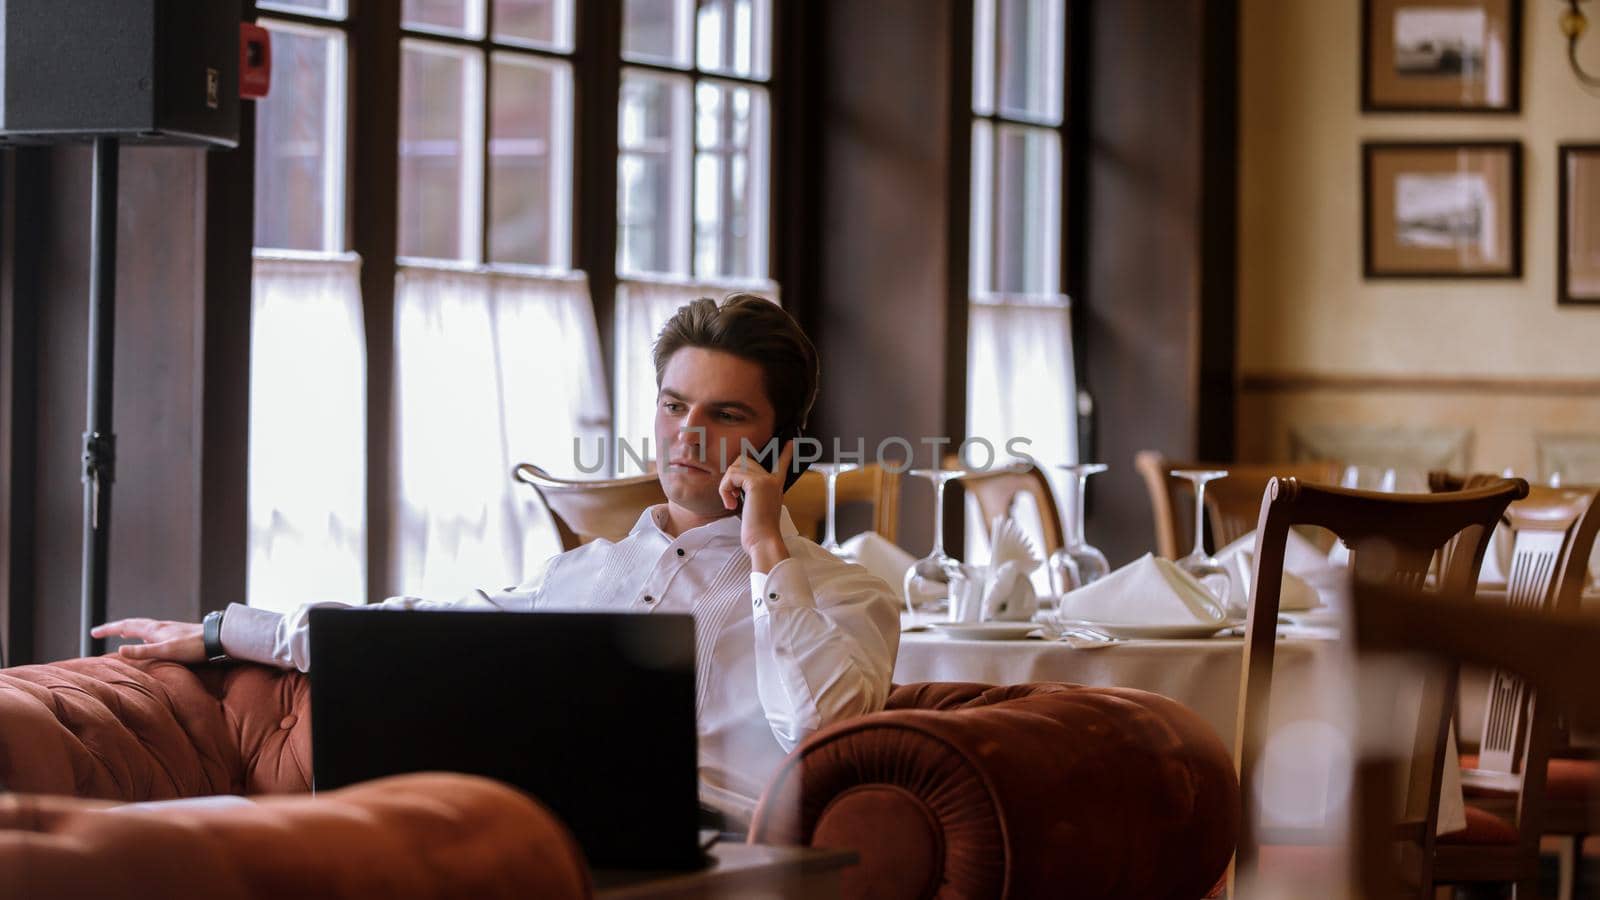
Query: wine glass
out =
(1204, 567)
(1077, 563)
(937, 566)
(830, 473)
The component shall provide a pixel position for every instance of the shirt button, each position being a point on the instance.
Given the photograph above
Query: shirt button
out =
(649, 599)
(758, 601)
(772, 596)
(680, 551)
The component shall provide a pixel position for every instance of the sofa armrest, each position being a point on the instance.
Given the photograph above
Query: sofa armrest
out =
(1022, 791)
(426, 835)
(124, 730)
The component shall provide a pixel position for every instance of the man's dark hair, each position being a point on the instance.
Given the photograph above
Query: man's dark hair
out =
(752, 328)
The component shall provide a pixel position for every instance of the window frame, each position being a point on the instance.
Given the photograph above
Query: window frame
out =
(1069, 216)
(1071, 257)
(487, 48)
(771, 85)
(295, 17)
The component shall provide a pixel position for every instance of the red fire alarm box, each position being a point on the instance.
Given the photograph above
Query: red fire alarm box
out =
(255, 61)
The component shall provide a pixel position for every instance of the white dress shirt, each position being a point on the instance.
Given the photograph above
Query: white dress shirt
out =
(778, 655)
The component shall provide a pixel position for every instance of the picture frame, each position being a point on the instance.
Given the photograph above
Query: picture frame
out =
(1441, 56)
(1441, 210)
(1578, 247)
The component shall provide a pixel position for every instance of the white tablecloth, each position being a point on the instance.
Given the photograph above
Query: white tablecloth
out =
(1306, 765)
(1202, 675)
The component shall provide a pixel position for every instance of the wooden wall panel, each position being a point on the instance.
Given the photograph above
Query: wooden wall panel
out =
(1158, 276)
(881, 316)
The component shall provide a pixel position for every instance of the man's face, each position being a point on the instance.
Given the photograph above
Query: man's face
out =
(725, 396)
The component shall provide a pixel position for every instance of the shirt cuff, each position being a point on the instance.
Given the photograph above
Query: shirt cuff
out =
(784, 587)
(249, 633)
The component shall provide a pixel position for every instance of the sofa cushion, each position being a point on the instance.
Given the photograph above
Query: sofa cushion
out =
(1483, 827)
(119, 729)
(427, 835)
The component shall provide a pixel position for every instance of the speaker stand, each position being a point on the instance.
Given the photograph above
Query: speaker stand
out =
(99, 443)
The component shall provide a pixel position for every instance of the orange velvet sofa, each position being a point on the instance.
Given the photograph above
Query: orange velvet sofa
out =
(955, 790)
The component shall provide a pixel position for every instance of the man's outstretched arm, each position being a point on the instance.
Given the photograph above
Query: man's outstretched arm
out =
(276, 639)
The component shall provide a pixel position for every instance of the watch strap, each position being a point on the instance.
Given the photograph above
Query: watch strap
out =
(211, 634)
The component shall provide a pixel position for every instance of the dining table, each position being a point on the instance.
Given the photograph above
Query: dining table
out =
(1306, 762)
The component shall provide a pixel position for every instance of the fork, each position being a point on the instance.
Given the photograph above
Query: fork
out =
(1086, 638)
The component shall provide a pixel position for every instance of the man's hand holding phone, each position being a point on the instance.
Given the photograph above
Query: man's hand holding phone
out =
(762, 492)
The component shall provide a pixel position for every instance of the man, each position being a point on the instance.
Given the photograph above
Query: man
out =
(788, 638)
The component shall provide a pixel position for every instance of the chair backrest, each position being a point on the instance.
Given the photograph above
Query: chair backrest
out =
(1232, 504)
(1553, 532)
(872, 484)
(586, 510)
(997, 490)
(1553, 649)
(1393, 539)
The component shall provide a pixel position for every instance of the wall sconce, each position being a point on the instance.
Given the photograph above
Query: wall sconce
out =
(1573, 24)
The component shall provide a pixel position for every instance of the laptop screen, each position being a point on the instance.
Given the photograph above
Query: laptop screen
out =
(591, 713)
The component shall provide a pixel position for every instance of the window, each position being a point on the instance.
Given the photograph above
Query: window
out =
(693, 132)
(307, 455)
(496, 349)
(493, 356)
(1020, 377)
(693, 173)
(486, 131)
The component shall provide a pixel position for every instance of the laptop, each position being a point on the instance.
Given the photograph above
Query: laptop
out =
(591, 713)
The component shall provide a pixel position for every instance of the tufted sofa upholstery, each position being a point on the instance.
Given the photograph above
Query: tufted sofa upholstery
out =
(1039, 790)
(427, 835)
(108, 728)
(955, 790)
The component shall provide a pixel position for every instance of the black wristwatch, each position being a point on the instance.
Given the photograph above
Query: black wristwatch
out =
(211, 633)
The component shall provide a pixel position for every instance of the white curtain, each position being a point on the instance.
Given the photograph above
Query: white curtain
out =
(1021, 384)
(307, 457)
(642, 308)
(493, 367)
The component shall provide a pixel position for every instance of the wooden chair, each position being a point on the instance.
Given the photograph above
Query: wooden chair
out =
(997, 490)
(1232, 504)
(1553, 534)
(1393, 539)
(1553, 650)
(586, 510)
(871, 484)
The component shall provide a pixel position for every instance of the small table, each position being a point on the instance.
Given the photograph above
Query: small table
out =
(755, 871)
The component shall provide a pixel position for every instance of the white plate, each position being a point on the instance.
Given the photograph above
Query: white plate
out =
(1140, 630)
(985, 631)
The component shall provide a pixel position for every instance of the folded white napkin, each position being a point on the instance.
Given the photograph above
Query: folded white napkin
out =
(1300, 555)
(1147, 591)
(1311, 579)
(882, 558)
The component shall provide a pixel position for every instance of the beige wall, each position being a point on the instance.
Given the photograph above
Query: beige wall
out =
(1498, 355)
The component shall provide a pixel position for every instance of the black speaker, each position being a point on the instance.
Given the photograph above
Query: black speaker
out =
(141, 71)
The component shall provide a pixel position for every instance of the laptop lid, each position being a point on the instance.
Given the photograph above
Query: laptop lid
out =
(591, 713)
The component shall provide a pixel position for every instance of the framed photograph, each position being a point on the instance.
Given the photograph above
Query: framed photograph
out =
(1441, 55)
(1434, 210)
(1578, 253)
